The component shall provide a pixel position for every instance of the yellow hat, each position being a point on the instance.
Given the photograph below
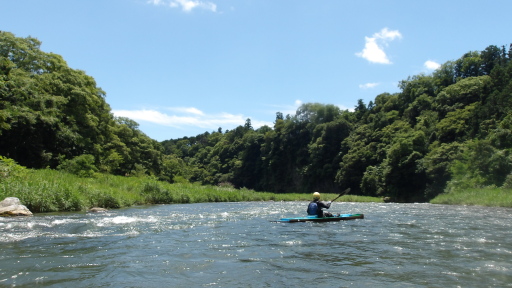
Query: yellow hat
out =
(316, 195)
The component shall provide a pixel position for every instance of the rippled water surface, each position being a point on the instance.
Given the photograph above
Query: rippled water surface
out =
(237, 245)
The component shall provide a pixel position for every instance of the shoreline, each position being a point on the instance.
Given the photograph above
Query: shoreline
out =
(47, 190)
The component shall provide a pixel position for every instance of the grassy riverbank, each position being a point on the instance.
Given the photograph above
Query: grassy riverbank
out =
(51, 191)
(493, 197)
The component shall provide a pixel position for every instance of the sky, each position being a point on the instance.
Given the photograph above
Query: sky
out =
(180, 68)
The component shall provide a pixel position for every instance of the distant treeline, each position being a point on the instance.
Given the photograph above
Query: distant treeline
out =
(442, 132)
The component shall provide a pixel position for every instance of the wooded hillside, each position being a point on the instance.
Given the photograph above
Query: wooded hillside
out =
(448, 130)
(444, 131)
(50, 114)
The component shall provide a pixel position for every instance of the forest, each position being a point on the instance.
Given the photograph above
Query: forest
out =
(445, 131)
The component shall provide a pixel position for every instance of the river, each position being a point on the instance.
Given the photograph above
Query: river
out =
(237, 245)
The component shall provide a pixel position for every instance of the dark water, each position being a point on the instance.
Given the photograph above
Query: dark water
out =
(236, 245)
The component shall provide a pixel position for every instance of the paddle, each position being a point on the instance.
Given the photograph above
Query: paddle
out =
(341, 194)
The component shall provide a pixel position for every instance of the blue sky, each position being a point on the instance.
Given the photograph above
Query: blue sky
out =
(184, 67)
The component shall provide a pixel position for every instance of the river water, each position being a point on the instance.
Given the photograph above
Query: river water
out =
(237, 245)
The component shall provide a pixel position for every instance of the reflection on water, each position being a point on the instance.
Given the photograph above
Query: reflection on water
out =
(236, 245)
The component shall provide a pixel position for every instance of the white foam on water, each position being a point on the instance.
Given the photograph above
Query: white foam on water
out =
(497, 266)
(292, 242)
(124, 220)
(63, 221)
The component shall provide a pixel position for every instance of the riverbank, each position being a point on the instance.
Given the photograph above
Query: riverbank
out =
(492, 197)
(57, 191)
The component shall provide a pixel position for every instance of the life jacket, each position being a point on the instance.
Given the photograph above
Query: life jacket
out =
(312, 208)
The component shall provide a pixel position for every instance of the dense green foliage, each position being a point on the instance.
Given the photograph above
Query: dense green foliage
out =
(50, 113)
(47, 190)
(446, 131)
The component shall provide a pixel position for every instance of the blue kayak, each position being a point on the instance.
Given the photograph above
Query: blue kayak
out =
(322, 219)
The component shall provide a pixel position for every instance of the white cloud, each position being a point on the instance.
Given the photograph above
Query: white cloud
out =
(189, 117)
(431, 65)
(368, 85)
(374, 46)
(157, 117)
(186, 5)
(286, 109)
(388, 35)
(190, 110)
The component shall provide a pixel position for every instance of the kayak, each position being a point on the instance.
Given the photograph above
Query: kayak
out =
(322, 219)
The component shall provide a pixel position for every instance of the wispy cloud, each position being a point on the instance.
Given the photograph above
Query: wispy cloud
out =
(368, 85)
(286, 109)
(188, 110)
(431, 65)
(186, 117)
(186, 5)
(374, 46)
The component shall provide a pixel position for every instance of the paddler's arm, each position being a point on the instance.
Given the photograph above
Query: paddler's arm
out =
(325, 205)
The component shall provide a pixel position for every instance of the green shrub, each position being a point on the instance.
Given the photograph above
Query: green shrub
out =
(508, 182)
(82, 166)
(9, 168)
(154, 193)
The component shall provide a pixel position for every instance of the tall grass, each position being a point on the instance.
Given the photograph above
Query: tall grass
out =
(51, 191)
(44, 191)
(493, 197)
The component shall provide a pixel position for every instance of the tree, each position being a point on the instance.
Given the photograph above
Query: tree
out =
(50, 109)
(279, 116)
(358, 151)
(82, 165)
(436, 165)
(469, 65)
(324, 153)
(479, 165)
(455, 125)
(462, 93)
(492, 56)
(248, 169)
(416, 86)
(248, 125)
(402, 175)
(50, 113)
(360, 109)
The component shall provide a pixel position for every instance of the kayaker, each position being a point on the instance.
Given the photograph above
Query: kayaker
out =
(315, 206)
